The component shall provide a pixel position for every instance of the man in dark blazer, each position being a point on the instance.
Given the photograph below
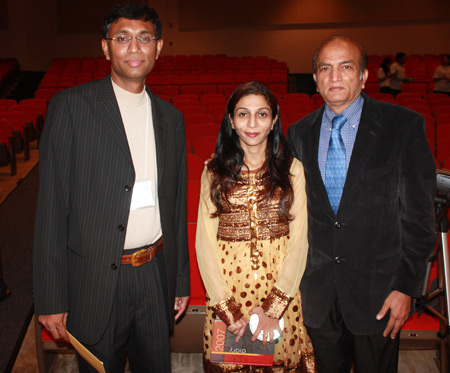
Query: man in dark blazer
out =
(111, 299)
(368, 251)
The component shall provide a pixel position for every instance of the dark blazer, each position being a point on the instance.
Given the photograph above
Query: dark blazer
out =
(86, 180)
(383, 231)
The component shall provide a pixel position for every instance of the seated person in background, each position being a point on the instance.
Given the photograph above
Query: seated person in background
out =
(398, 74)
(441, 76)
(384, 75)
(252, 232)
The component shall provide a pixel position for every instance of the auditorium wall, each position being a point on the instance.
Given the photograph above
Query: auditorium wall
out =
(288, 30)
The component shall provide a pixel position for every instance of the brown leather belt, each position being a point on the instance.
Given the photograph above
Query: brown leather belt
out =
(143, 256)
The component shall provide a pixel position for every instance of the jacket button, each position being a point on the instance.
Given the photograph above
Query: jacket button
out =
(114, 266)
(338, 260)
(337, 225)
(127, 188)
(120, 228)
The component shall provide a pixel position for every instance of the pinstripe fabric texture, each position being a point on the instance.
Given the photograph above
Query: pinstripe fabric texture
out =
(138, 296)
(84, 201)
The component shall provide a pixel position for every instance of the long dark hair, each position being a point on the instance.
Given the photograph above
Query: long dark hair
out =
(386, 65)
(228, 158)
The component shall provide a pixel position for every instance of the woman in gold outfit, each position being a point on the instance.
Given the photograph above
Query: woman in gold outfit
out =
(252, 233)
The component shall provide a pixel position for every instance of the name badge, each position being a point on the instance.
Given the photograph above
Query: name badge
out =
(142, 195)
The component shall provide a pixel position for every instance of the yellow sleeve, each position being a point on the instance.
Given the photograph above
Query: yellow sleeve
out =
(208, 258)
(294, 263)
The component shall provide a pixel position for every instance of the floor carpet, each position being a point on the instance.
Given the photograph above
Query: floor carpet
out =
(16, 231)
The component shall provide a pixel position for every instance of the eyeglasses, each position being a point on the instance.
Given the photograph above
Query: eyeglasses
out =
(125, 40)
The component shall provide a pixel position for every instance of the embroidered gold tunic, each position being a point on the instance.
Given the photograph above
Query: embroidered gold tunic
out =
(251, 256)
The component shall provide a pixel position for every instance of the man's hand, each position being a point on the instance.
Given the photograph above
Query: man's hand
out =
(238, 328)
(180, 306)
(55, 324)
(400, 305)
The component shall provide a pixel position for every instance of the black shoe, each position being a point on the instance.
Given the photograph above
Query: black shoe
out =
(6, 295)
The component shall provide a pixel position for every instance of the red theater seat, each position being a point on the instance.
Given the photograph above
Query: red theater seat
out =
(195, 131)
(401, 97)
(188, 109)
(443, 131)
(193, 198)
(45, 93)
(194, 167)
(198, 292)
(443, 149)
(296, 99)
(199, 118)
(188, 332)
(204, 146)
(185, 99)
(47, 347)
(213, 99)
(6, 103)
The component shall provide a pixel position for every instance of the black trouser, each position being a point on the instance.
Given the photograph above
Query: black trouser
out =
(335, 348)
(395, 92)
(445, 93)
(386, 90)
(138, 324)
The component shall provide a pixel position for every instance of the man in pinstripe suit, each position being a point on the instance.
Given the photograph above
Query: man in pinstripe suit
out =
(110, 253)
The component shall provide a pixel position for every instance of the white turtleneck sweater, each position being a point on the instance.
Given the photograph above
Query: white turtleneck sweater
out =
(144, 224)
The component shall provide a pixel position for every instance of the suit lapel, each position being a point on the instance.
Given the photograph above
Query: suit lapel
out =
(311, 157)
(160, 137)
(368, 130)
(314, 152)
(109, 113)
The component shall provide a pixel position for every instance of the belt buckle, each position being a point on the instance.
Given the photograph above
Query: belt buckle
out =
(134, 262)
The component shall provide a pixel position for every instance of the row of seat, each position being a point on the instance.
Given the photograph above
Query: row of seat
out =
(412, 61)
(7, 67)
(211, 75)
(434, 104)
(20, 124)
(192, 103)
(169, 62)
(175, 85)
(209, 108)
(172, 70)
(201, 140)
(173, 89)
(426, 58)
(421, 87)
(420, 75)
(203, 117)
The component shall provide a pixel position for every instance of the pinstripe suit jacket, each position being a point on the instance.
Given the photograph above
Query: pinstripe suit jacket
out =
(86, 172)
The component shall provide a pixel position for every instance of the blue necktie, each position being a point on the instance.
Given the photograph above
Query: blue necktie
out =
(336, 166)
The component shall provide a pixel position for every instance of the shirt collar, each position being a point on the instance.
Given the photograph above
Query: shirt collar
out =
(352, 113)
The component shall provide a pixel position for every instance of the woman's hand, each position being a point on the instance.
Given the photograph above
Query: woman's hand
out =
(265, 324)
(238, 328)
